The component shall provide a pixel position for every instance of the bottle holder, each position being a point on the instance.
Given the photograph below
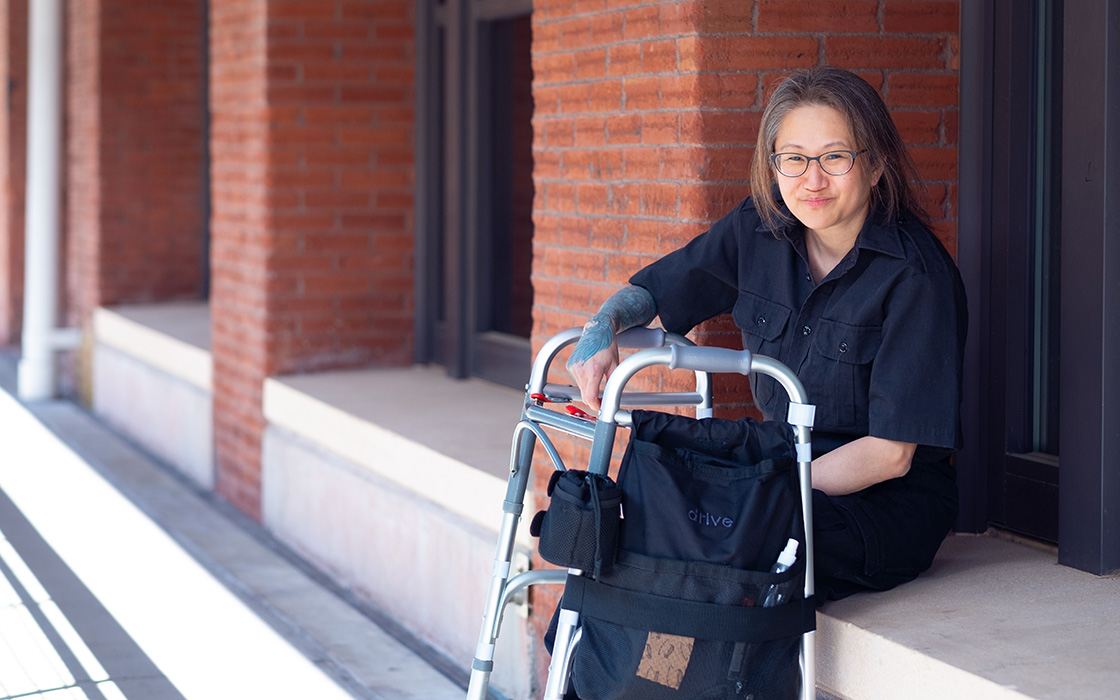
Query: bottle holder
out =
(579, 530)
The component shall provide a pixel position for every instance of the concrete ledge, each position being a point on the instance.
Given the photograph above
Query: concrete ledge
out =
(994, 619)
(173, 337)
(152, 381)
(426, 566)
(448, 440)
(393, 481)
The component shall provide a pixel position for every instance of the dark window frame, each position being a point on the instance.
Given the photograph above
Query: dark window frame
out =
(452, 186)
(1088, 498)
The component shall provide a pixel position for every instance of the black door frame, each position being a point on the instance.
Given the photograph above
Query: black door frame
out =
(1089, 499)
(1088, 508)
(450, 191)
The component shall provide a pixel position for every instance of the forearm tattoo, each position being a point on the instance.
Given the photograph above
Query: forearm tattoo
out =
(629, 307)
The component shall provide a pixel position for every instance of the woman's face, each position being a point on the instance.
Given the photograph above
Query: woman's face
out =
(832, 206)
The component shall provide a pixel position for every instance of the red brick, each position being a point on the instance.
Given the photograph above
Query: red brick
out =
(936, 163)
(625, 199)
(678, 18)
(546, 35)
(573, 98)
(333, 73)
(724, 16)
(747, 53)
(592, 198)
(885, 52)
(641, 93)
(659, 199)
(624, 129)
(641, 163)
(818, 16)
(559, 133)
(727, 90)
(692, 164)
(659, 56)
(922, 89)
(576, 164)
(909, 16)
(918, 127)
(300, 9)
(679, 91)
(710, 202)
(591, 131)
(574, 33)
(555, 68)
(334, 283)
(591, 64)
(711, 127)
(605, 96)
(560, 196)
(660, 128)
(624, 59)
(949, 120)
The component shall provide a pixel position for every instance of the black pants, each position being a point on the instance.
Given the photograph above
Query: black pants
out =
(876, 540)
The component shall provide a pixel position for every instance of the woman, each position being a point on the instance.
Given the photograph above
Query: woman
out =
(830, 267)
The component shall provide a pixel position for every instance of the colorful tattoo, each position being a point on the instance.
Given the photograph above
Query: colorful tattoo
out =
(629, 307)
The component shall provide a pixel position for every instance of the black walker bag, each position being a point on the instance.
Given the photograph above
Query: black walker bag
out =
(707, 507)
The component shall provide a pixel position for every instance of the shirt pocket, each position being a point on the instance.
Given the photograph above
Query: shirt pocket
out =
(762, 322)
(840, 384)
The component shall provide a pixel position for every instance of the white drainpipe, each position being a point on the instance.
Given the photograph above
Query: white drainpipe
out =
(41, 338)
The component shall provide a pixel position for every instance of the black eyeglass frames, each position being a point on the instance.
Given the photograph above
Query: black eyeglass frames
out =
(832, 162)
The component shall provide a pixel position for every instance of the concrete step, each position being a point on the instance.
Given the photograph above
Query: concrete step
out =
(994, 619)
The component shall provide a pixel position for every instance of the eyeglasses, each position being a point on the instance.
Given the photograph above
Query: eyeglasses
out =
(832, 163)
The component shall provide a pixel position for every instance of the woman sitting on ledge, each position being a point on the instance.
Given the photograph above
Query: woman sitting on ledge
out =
(831, 268)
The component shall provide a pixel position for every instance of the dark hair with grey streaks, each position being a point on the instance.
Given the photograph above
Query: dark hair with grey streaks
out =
(871, 126)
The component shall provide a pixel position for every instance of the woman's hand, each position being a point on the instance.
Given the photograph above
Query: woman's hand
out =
(596, 353)
(594, 358)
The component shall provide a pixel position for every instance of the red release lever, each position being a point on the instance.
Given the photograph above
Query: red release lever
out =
(579, 413)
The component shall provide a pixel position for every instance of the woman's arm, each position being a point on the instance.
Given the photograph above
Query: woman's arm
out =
(596, 354)
(861, 463)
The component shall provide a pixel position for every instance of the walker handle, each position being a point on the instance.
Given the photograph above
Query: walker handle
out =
(709, 359)
(638, 338)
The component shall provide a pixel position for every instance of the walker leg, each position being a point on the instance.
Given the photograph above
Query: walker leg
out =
(808, 666)
(562, 651)
(484, 653)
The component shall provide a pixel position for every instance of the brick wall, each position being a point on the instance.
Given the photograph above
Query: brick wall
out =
(646, 116)
(312, 146)
(13, 164)
(135, 151)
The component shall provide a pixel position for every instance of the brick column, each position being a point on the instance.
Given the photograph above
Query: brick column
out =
(645, 122)
(13, 166)
(135, 153)
(312, 109)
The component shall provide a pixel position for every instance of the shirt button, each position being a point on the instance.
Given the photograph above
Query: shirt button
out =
(843, 347)
(805, 330)
(761, 320)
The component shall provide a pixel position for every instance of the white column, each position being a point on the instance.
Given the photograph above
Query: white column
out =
(41, 238)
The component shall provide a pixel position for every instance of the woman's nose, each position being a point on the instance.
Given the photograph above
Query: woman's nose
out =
(815, 176)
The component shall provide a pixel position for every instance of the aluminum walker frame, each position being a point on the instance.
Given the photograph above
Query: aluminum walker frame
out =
(660, 348)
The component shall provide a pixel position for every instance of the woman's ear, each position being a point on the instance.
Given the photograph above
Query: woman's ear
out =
(874, 174)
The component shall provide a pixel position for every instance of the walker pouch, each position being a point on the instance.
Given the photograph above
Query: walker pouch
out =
(708, 506)
(580, 528)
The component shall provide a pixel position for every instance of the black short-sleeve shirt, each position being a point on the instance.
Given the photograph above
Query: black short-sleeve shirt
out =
(878, 343)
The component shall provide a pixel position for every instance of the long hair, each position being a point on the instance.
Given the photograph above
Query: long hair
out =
(871, 127)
